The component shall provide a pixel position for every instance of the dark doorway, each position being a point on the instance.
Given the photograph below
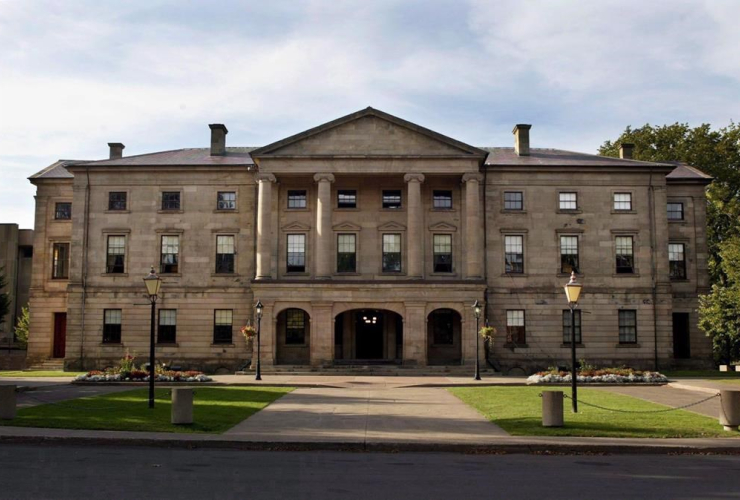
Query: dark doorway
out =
(681, 336)
(369, 332)
(60, 334)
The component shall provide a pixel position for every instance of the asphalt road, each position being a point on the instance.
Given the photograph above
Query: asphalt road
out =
(61, 472)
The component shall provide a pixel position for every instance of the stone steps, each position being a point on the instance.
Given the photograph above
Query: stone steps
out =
(48, 365)
(371, 370)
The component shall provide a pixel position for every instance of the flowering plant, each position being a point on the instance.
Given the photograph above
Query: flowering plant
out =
(487, 332)
(249, 332)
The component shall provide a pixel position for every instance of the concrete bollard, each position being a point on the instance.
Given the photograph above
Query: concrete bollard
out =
(7, 402)
(552, 408)
(737, 368)
(724, 368)
(182, 405)
(729, 413)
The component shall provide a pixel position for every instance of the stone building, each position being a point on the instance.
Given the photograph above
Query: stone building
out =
(16, 252)
(367, 239)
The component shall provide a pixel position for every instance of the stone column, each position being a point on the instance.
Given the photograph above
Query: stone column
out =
(323, 226)
(473, 228)
(415, 334)
(264, 231)
(415, 229)
(322, 334)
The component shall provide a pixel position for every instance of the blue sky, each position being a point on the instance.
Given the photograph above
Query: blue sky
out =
(75, 75)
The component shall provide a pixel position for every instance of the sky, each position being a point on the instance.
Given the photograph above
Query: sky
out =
(153, 74)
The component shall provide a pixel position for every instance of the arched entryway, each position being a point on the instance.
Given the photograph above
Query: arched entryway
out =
(293, 337)
(368, 336)
(444, 337)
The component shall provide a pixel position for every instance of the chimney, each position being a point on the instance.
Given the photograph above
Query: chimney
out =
(625, 150)
(218, 139)
(521, 139)
(116, 150)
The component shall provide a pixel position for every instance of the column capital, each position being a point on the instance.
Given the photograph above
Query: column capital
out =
(413, 178)
(323, 177)
(472, 176)
(265, 178)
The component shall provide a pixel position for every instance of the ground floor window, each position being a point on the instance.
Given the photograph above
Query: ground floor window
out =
(167, 330)
(515, 332)
(112, 326)
(567, 326)
(627, 327)
(222, 326)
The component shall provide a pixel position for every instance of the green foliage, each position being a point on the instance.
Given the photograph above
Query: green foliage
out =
(21, 328)
(4, 297)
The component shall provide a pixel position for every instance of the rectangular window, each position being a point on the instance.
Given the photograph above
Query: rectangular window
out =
(514, 254)
(568, 201)
(622, 201)
(170, 255)
(296, 253)
(625, 256)
(295, 326)
(116, 261)
(222, 326)
(392, 199)
(167, 328)
(569, 254)
(675, 211)
(226, 200)
(225, 254)
(346, 253)
(627, 327)
(442, 253)
(567, 328)
(515, 332)
(112, 326)
(60, 261)
(117, 200)
(391, 253)
(677, 261)
(297, 198)
(513, 200)
(171, 200)
(442, 199)
(346, 198)
(63, 211)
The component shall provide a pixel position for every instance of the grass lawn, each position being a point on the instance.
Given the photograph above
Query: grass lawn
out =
(701, 374)
(21, 374)
(215, 410)
(518, 410)
(731, 382)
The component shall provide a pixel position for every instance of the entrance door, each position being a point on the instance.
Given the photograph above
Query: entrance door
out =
(369, 335)
(60, 334)
(681, 340)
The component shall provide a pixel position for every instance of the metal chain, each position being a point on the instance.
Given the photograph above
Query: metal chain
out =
(580, 401)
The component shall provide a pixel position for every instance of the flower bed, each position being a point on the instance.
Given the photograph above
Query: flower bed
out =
(142, 376)
(599, 376)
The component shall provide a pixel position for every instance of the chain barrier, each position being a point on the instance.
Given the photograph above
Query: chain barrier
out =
(580, 401)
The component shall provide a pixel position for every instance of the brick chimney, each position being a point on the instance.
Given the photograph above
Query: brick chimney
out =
(625, 150)
(116, 150)
(218, 139)
(521, 139)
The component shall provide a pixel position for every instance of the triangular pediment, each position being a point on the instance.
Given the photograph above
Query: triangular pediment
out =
(346, 226)
(443, 226)
(369, 132)
(391, 226)
(296, 226)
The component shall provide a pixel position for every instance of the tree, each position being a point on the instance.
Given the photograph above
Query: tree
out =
(21, 328)
(4, 297)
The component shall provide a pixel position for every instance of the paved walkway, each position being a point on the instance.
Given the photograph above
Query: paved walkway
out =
(670, 396)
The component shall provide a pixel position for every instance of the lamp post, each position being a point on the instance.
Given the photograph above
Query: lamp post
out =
(573, 292)
(259, 307)
(153, 284)
(476, 311)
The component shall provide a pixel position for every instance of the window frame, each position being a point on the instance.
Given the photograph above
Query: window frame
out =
(630, 201)
(344, 205)
(219, 255)
(219, 208)
(437, 323)
(55, 269)
(623, 327)
(574, 201)
(577, 267)
(669, 211)
(388, 205)
(291, 194)
(111, 202)
(520, 331)
(567, 328)
(112, 331)
(437, 194)
(162, 269)
(299, 340)
(353, 254)
(163, 193)
(219, 337)
(288, 253)
(383, 267)
(439, 257)
(169, 329)
(507, 253)
(520, 201)
(683, 264)
(111, 269)
(63, 215)
(633, 268)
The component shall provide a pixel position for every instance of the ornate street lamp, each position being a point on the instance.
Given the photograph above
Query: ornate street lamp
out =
(259, 308)
(476, 311)
(153, 283)
(573, 292)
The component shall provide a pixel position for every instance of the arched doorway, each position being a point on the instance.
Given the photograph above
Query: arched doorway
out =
(364, 336)
(444, 337)
(293, 337)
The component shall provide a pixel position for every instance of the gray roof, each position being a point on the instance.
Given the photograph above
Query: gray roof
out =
(186, 156)
(559, 157)
(684, 172)
(56, 170)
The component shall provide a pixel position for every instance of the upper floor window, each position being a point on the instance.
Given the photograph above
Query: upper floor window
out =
(392, 198)
(442, 253)
(60, 261)
(112, 326)
(567, 329)
(171, 200)
(514, 254)
(167, 327)
(63, 211)
(623, 201)
(515, 331)
(226, 200)
(513, 200)
(569, 254)
(170, 254)
(223, 320)
(677, 261)
(296, 262)
(297, 198)
(116, 258)
(675, 211)
(117, 200)
(391, 253)
(625, 255)
(295, 326)
(627, 326)
(346, 198)
(442, 199)
(568, 201)
(225, 252)
(346, 253)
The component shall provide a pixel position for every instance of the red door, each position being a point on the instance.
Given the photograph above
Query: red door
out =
(60, 334)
